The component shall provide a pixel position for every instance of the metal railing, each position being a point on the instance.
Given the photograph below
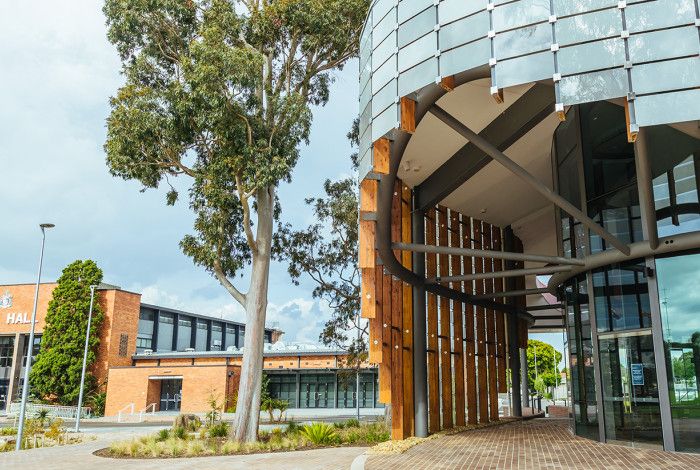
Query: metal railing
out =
(142, 413)
(120, 414)
(54, 411)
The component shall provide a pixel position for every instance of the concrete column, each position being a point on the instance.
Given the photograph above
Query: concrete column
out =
(513, 341)
(420, 365)
(523, 378)
(16, 370)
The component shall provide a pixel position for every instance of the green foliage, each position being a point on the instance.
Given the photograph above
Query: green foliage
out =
(42, 415)
(326, 252)
(164, 434)
(214, 413)
(219, 430)
(293, 427)
(545, 364)
(56, 373)
(56, 429)
(684, 367)
(320, 433)
(180, 433)
(352, 423)
(97, 401)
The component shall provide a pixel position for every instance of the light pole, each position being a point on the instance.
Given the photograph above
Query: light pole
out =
(85, 353)
(30, 347)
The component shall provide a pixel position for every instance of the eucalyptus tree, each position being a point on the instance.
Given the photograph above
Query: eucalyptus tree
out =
(220, 92)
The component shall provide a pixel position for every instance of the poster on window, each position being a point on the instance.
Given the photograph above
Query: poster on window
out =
(637, 374)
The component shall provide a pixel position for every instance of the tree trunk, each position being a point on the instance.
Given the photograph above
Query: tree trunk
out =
(245, 427)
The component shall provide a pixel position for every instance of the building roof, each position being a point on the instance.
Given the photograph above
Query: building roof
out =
(277, 349)
(199, 315)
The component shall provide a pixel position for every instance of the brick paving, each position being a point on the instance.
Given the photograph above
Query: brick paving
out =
(534, 444)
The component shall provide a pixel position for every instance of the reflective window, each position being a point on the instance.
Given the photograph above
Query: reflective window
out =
(35, 349)
(674, 159)
(678, 280)
(201, 335)
(630, 390)
(144, 338)
(184, 333)
(241, 336)
(7, 346)
(317, 391)
(230, 339)
(217, 337)
(166, 329)
(622, 297)
(284, 387)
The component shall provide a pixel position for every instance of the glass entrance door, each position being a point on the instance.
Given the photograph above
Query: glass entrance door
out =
(317, 390)
(4, 388)
(170, 394)
(630, 389)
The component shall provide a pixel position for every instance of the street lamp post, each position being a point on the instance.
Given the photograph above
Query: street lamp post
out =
(85, 353)
(30, 347)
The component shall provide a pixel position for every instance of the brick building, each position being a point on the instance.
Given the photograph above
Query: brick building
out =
(170, 360)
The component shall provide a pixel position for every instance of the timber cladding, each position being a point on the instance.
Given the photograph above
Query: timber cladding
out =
(466, 345)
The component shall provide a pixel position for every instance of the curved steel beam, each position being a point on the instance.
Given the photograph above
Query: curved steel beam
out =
(427, 98)
(667, 245)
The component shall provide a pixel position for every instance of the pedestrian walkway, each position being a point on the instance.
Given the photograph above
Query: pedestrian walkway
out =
(80, 457)
(534, 444)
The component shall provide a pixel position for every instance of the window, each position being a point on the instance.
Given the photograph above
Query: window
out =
(622, 297)
(216, 336)
(7, 346)
(284, 387)
(267, 337)
(201, 338)
(166, 329)
(144, 338)
(184, 333)
(230, 339)
(35, 349)
(241, 336)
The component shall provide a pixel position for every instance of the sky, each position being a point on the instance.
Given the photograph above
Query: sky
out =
(57, 73)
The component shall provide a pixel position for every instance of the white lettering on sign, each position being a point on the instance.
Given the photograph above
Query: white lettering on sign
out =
(18, 319)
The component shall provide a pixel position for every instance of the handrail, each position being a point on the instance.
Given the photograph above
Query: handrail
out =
(152, 406)
(119, 414)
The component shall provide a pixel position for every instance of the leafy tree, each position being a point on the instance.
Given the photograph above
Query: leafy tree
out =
(547, 359)
(220, 91)
(56, 373)
(326, 251)
(683, 367)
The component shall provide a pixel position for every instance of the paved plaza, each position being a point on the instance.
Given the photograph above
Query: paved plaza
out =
(534, 444)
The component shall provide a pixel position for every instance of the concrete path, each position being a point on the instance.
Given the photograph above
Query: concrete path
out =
(80, 457)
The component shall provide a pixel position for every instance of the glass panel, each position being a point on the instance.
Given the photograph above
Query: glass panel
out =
(230, 336)
(599, 25)
(416, 27)
(678, 279)
(216, 336)
(166, 329)
(674, 159)
(184, 333)
(284, 387)
(523, 41)
(665, 108)
(595, 86)
(524, 69)
(384, 24)
(241, 336)
(465, 57)
(622, 298)
(669, 75)
(463, 31)
(630, 391)
(144, 337)
(417, 51)
(419, 76)
(665, 44)
(317, 391)
(451, 10)
(7, 346)
(659, 14)
(201, 335)
(383, 52)
(384, 74)
(384, 122)
(569, 7)
(409, 8)
(520, 13)
(591, 56)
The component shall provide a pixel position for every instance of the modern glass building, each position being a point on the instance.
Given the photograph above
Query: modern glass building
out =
(532, 165)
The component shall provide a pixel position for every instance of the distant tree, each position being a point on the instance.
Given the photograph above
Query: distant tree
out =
(547, 358)
(326, 252)
(684, 367)
(220, 91)
(56, 373)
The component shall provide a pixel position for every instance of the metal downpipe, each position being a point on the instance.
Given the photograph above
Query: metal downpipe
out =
(420, 366)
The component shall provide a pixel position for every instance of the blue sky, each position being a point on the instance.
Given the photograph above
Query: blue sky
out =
(58, 72)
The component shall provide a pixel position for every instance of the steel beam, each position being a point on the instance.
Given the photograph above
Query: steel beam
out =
(539, 308)
(646, 190)
(513, 330)
(501, 274)
(420, 366)
(523, 174)
(516, 293)
(520, 118)
(447, 250)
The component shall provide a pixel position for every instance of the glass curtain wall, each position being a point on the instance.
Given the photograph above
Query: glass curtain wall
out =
(184, 333)
(678, 279)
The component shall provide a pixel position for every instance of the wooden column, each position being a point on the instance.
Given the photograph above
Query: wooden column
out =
(457, 314)
(407, 261)
(481, 354)
(490, 318)
(397, 428)
(469, 343)
(385, 366)
(433, 353)
(445, 324)
(375, 324)
(499, 286)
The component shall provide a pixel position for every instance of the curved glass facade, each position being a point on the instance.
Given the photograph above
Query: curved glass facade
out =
(634, 327)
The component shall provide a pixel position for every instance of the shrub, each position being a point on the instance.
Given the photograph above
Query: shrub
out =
(292, 428)
(180, 433)
(319, 433)
(42, 416)
(214, 413)
(97, 403)
(340, 425)
(187, 421)
(219, 430)
(55, 430)
(164, 434)
(352, 423)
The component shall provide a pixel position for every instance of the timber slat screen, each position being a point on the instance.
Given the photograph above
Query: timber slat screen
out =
(466, 355)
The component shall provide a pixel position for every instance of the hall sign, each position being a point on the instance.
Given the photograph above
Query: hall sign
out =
(18, 319)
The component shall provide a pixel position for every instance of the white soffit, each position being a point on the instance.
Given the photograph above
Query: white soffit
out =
(434, 143)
